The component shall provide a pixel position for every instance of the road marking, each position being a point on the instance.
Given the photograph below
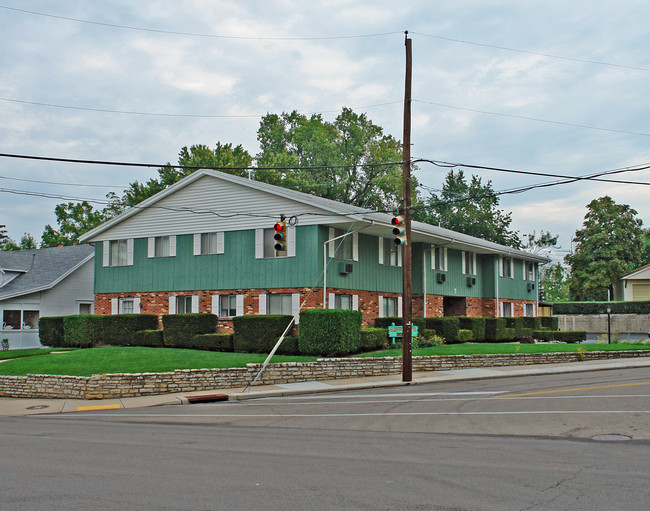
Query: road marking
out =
(97, 407)
(394, 394)
(574, 389)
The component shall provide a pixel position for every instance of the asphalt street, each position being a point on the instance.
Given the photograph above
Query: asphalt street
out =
(570, 441)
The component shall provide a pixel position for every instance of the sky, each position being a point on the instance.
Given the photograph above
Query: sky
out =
(549, 86)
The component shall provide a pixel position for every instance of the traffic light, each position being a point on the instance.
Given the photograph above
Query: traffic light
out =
(398, 230)
(280, 236)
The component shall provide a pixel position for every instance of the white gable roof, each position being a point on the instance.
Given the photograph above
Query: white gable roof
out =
(642, 273)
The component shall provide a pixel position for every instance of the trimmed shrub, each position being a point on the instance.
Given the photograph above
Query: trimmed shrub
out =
(148, 338)
(83, 331)
(386, 322)
(476, 325)
(259, 333)
(495, 329)
(329, 332)
(51, 332)
(601, 307)
(120, 329)
(289, 346)
(517, 324)
(179, 329)
(568, 336)
(550, 322)
(211, 342)
(373, 339)
(534, 323)
(526, 335)
(465, 335)
(445, 327)
(509, 334)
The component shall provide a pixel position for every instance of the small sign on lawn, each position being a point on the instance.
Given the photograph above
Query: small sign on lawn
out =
(396, 331)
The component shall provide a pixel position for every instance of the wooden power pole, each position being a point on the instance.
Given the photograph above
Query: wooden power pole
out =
(407, 358)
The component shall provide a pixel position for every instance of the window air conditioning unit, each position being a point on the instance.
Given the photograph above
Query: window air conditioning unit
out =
(345, 268)
(442, 277)
(471, 281)
(530, 286)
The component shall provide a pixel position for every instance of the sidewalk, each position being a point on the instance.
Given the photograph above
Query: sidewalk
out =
(12, 406)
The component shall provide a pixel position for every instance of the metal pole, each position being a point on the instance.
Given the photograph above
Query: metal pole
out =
(609, 325)
(407, 360)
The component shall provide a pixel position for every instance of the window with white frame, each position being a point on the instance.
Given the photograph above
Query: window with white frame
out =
(390, 307)
(439, 258)
(127, 306)
(507, 267)
(343, 302)
(279, 304)
(208, 243)
(17, 319)
(85, 308)
(118, 253)
(529, 309)
(392, 253)
(227, 306)
(343, 247)
(506, 309)
(183, 305)
(529, 270)
(162, 246)
(469, 263)
(269, 245)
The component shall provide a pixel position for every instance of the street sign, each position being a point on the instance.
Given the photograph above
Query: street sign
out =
(396, 331)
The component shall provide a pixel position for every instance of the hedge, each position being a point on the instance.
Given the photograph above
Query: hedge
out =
(495, 329)
(386, 322)
(373, 339)
(258, 333)
(211, 342)
(148, 338)
(289, 346)
(51, 332)
(465, 335)
(551, 322)
(120, 329)
(445, 327)
(564, 336)
(179, 329)
(329, 332)
(534, 323)
(601, 307)
(83, 331)
(476, 325)
(517, 324)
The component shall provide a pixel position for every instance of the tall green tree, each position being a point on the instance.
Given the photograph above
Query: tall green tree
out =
(471, 208)
(608, 246)
(554, 283)
(351, 159)
(4, 237)
(74, 219)
(645, 238)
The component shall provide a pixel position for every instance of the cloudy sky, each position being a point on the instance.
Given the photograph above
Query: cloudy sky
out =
(544, 86)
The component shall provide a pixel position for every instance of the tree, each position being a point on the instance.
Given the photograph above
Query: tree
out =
(74, 219)
(608, 246)
(351, 159)
(470, 208)
(554, 283)
(4, 237)
(645, 238)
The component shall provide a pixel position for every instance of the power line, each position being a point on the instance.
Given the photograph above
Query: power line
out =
(194, 34)
(60, 183)
(536, 119)
(547, 55)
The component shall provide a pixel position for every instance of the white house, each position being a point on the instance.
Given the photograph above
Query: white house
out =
(635, 286)
(46, 282)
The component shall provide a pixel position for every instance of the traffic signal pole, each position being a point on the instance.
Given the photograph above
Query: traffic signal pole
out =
(407, 358)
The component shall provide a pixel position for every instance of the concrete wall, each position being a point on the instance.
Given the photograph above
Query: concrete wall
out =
(191, 380)
(622, 325)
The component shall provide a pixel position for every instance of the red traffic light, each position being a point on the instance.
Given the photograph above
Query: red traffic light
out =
(279, 226)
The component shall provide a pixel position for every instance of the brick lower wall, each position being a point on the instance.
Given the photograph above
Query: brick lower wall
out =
(192, 380)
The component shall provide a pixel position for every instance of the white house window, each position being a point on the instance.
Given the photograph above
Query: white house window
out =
(280, 304)
(343, 302)
(469, 263)
(161, 246)
(118, 253)
(506, 309)
(85, 308)
(390, 307)
(127, 306)
(227, 306)
(343, 246)
(529, 309)
(507, 267)
(11, 320)
(529, 270)
(392, 253)
(20, 319)
(439, 258)
(209, 243)
(269, 245)
(183, 304)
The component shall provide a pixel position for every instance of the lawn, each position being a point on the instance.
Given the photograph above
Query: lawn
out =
(113, 359)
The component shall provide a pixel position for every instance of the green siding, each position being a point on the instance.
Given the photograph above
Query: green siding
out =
(516, 288)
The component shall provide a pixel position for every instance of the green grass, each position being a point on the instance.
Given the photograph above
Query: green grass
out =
(500, 348)
(113, 359)
(7, 355)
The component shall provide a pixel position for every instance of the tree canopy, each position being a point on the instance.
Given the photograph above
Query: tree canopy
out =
(608, 246)
(470, 208)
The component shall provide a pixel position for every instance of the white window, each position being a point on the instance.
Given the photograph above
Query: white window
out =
(390, 307)
(209, 243)
(439, 258)
(506, 309)
(162, 246)
(343, 302)
(342, 248)
(126, 305)
(529, 309)
(529, 270)
(17, 319)
(506, 267)
(118, 251)
(183, 304)
(227, 306)
(85, 308)
(279, 304)
(269, 245)
(469, 263)
(392, 254)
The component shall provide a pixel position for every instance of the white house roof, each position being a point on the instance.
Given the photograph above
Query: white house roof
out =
(38, 270)
(270, 199)
(638, 274)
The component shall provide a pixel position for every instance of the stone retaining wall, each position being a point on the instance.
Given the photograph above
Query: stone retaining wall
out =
(105, 386)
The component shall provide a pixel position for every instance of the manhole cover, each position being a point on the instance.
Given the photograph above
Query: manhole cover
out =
(611, 437)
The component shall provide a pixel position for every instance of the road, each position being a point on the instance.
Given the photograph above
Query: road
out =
(513, 443)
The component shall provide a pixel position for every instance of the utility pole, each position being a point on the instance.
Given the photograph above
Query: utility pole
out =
(407, 358)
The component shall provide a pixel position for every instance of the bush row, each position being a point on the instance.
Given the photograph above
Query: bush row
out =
(601, 307)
